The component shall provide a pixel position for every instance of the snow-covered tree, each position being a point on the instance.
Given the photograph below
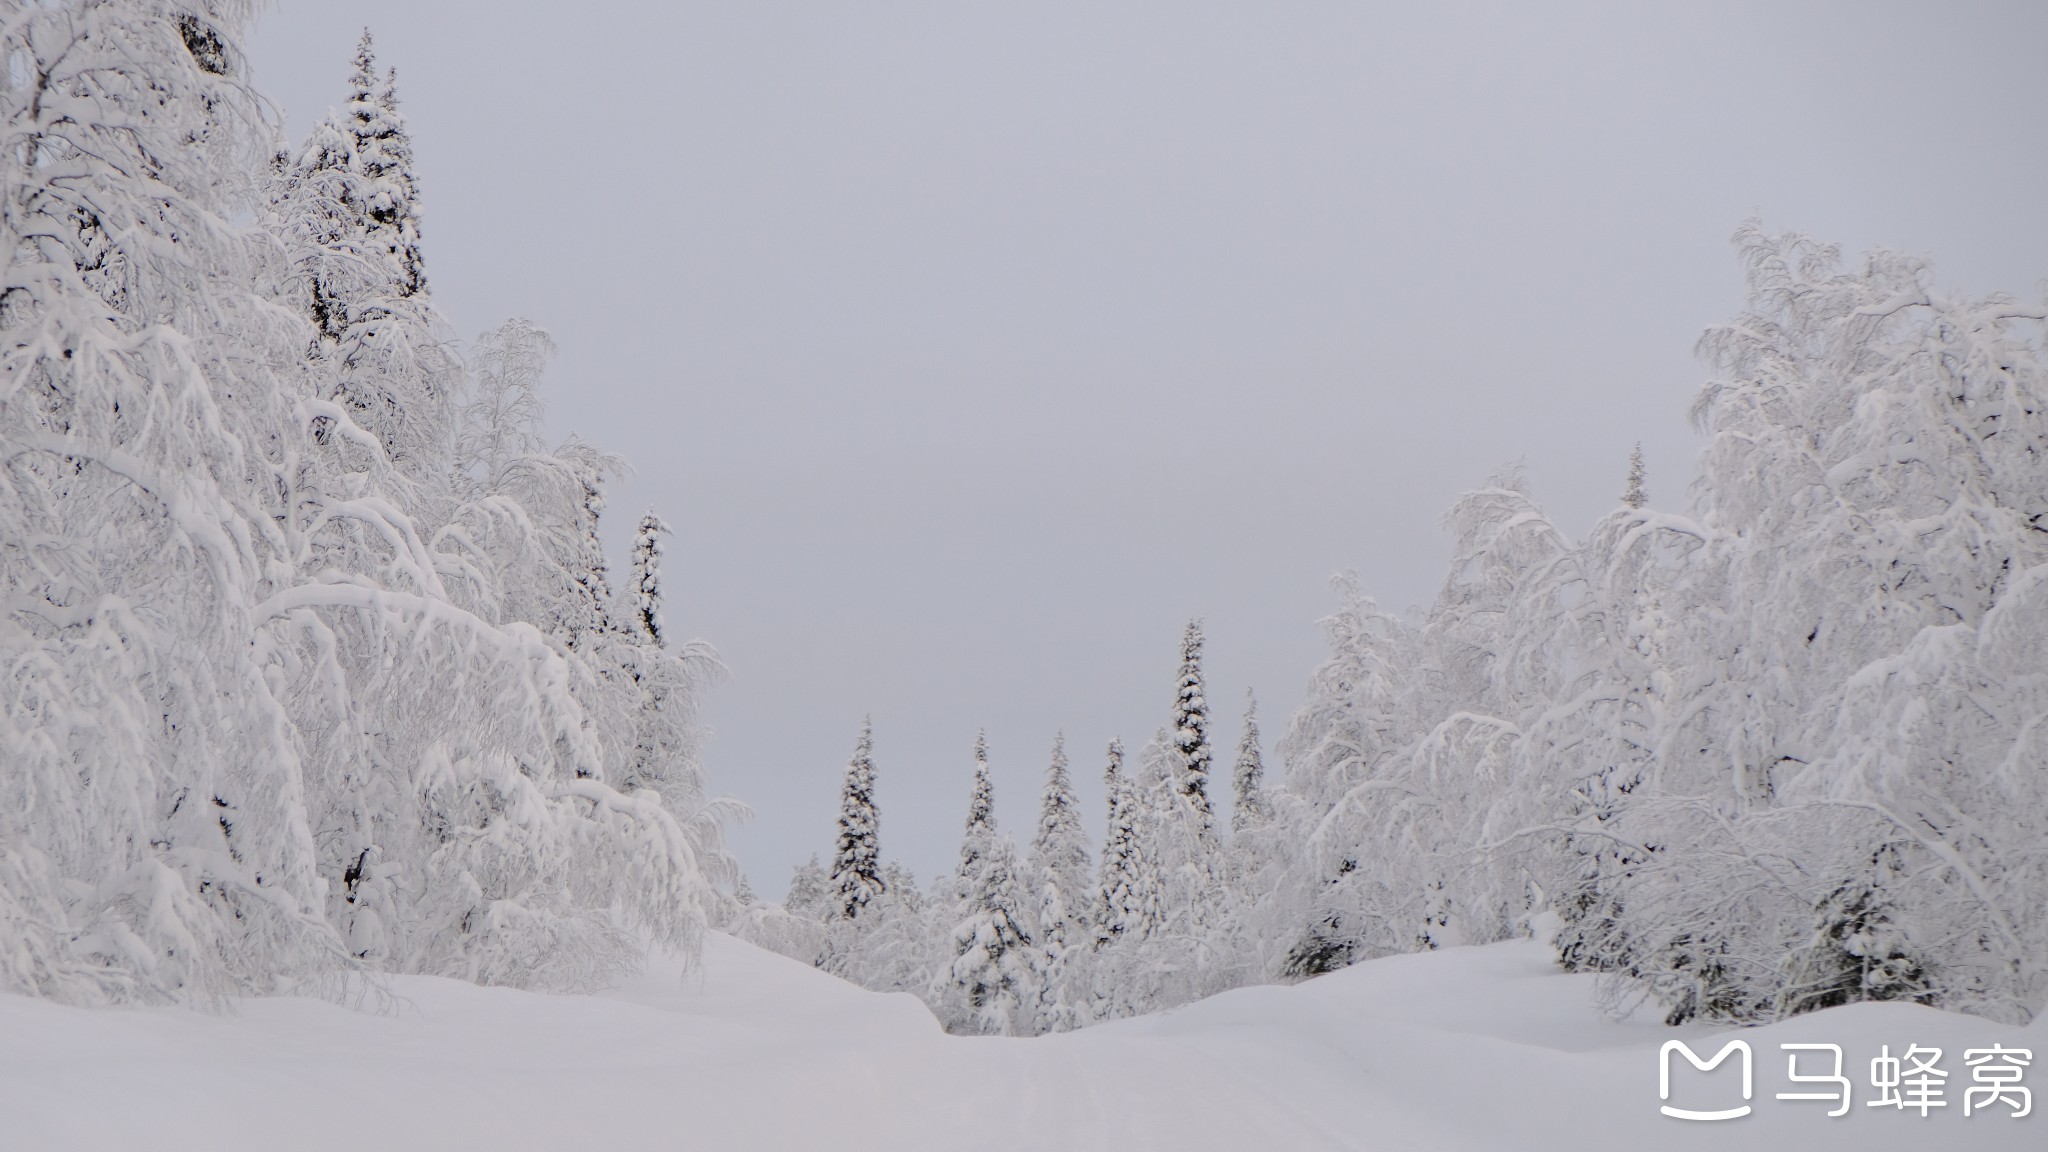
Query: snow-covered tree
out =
(265, 728)
(1190, 730)
(994, 969)
(1127, 895)
(1250, 808)
(499, 424)
(647, 550)
(856, 878)
(154, 840)
(1059, 867)
(981, 822)
(892, 947)
(810, 891)
(1633, 493)
(345, 206)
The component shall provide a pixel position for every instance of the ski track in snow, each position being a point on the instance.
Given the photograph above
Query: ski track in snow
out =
(1481, 1048)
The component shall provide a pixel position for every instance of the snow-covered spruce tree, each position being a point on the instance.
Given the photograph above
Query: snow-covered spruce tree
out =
(1127, 894)
(1125, 965)
(1059, 868)
(1633, 493)
(981, 822)
(1185, 960)
(1190, 731)
(856, 862)
(345, 206)
(668, 740)
(995, 972)
(647, 550)
(1250, 808)
(810, 891)
(795, 928)
(893, 945)
(952, 998)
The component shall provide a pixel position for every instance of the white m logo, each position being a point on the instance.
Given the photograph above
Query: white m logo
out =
(1664, 1078)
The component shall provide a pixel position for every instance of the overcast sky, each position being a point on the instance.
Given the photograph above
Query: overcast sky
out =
(972, 348)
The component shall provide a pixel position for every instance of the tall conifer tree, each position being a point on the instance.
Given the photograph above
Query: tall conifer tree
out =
(1059, 865)
(1190, 729)
(1633, 493)
(1251, 808)
(856, 862)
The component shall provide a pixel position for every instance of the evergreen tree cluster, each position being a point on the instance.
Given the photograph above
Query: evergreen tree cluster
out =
(1039, 940)
(311, 668)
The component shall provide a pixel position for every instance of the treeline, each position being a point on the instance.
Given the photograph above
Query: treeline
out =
(310, 665)
(1785, 750)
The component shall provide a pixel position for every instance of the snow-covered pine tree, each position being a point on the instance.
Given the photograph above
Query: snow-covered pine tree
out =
(1250, 808)
(346, 207)
(952, 999)
(1126, 904)
(670, 679)
(1190, 730)
(1178, 825)
(856, 878)
(1059, 866)
(981, 822)
(1633, 493)
(1131, 892)
(795, 928)
(810, 891)
(994, 969)
(646, 610)
(893, 946)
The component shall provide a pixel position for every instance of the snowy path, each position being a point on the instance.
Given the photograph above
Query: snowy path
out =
(1479, 1048)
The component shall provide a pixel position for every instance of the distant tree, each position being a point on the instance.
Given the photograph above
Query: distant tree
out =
(1251, 808)
(1127, 895)
(981, 822)
(499, 426)
(646, 611)
(994, 963)
(856, 864)
(892, 947)
(1633, 494)
(346, 206)
(1059, 866)
(1190, 731)
(809, 891)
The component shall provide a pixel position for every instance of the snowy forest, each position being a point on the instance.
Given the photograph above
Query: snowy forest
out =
(315, 670)
(1784, 750)
(313, 667)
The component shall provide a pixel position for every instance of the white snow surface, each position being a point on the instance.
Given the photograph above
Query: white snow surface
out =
(1484, 1047)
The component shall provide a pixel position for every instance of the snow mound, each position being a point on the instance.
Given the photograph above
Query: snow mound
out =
(1480, 1048)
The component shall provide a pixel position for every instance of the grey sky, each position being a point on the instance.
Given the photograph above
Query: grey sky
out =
(971, 348)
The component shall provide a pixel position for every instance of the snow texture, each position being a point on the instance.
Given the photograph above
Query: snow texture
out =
(1472, 1048)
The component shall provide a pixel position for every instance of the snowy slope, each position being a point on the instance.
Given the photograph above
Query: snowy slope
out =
(1467, 1048)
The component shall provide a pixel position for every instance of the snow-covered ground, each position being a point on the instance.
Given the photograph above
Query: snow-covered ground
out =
(1486, 1048)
